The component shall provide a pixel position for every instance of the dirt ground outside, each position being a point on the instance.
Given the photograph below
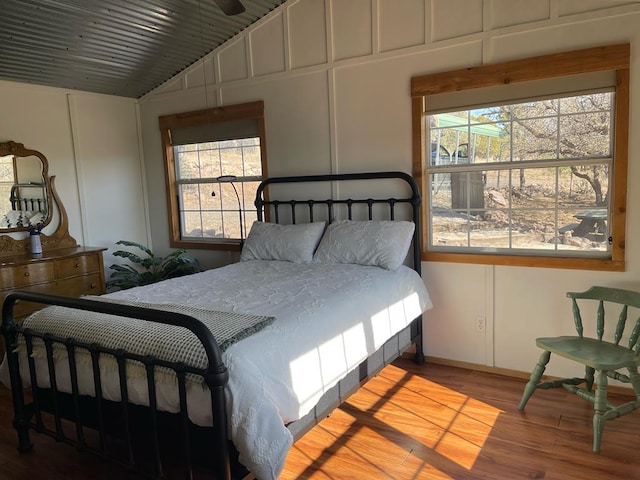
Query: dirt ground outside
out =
(542, 208)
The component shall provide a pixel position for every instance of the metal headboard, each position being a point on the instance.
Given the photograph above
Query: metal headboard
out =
(264, 204)
(32, 204)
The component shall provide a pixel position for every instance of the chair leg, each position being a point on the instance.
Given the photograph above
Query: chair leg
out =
(536, 375)
(600, 406)
(588, 376)
(635, 381)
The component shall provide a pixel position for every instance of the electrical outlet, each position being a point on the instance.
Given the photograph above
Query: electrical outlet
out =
(481, 324)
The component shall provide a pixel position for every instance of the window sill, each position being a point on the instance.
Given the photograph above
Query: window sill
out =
(607, 265)
(230, 245)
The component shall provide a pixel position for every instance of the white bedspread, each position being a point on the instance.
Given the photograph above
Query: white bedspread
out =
(329, 318)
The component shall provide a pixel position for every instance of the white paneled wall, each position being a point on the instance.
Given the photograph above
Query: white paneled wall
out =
(92, 143)
(352, 28)
(307, 30)
(507, 13)
(335, 78)
(110, 173)
(267, 47)
(411, 16)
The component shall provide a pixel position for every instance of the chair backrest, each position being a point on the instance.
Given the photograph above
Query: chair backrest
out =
(626, 298)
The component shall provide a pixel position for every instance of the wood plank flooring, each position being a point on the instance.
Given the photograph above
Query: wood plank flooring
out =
(410, 422)
(438, 422)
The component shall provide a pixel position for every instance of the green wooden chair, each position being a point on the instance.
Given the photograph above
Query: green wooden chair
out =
(601, 359)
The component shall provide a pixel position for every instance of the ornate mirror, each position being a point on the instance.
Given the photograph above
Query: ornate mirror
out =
(28, 197)
(25, 188)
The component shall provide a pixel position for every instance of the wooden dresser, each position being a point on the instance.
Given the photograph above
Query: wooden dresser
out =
(71, 272)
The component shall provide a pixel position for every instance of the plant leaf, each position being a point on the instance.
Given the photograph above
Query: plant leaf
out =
(130, 256)
(128, 243)
(123, 270)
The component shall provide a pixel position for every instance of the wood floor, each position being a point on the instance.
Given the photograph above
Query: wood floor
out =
(411, 422)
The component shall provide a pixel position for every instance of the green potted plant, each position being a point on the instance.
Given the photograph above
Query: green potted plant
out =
(147, 267)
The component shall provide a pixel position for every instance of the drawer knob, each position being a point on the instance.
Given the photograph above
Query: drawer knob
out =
(93, 285)
(77, 265)
(26, 274)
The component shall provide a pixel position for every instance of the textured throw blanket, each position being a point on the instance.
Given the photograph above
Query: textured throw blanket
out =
(166, 342)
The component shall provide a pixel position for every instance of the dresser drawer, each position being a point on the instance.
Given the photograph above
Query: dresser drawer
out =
(21, 275)
(90, 284)
(71, 287)
(79, 265)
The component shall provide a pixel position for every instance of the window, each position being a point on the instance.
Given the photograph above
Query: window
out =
(7, 179)
(525, 165)
(215, 160)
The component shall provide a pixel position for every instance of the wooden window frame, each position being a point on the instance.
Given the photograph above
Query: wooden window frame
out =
(608, 58)
(251, 110)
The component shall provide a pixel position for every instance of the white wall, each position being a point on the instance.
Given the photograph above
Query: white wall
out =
(92, 144)
(335, 79)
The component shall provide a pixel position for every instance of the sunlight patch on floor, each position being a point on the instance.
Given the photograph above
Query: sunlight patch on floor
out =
(403, 420)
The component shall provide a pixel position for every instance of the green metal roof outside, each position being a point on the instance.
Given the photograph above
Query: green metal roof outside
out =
(458, 123)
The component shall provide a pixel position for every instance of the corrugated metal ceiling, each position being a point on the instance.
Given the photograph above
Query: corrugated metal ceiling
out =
(116, 47)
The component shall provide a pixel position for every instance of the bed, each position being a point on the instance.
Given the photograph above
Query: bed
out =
(320, 301)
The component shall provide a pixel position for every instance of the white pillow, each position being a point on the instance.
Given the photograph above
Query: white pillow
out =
(271, 241)
(383, 243)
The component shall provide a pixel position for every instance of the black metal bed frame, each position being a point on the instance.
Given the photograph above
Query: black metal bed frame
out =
(102, 415)
(32, 204)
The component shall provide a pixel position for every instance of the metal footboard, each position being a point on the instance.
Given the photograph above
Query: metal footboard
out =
(84, 412)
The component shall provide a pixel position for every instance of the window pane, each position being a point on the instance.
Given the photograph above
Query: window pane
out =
(202, 225)
(252, 161)
(187, 164)
(467, 192)
(467, 137)
(190, 197)
(191, 224)
(534, 229)
(209, 161)
(231, 161)
(589, 230)
(596, 102)
(583, 186)
(585, 135)
(489, 235)
(247, 191)
(535, 139)
(238, 157)
(231, 224)
(440, 191)
(450, 228)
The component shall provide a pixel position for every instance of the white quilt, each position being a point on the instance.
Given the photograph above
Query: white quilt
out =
(329, 318)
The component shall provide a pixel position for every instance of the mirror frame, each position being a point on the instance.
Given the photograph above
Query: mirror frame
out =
(60, 238)
(19, 151)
